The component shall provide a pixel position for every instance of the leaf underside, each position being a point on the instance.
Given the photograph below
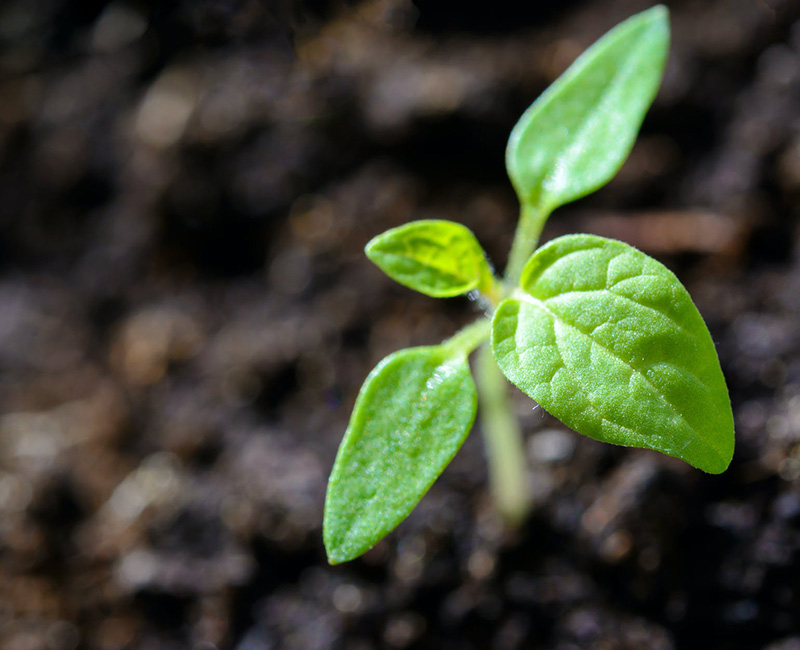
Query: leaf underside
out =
(576, 136)
(435, 257)
(412, 415)
(607, 340)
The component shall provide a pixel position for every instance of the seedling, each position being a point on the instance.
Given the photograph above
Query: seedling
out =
(602, 336)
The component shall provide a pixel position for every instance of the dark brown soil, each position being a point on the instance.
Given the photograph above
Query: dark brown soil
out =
(186, 316)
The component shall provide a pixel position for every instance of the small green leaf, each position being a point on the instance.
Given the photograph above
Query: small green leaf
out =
(575, 137)
(412, 415)
(607, 340)
(438, 258)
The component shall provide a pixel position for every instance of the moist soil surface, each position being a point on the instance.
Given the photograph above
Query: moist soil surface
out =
(186, 316)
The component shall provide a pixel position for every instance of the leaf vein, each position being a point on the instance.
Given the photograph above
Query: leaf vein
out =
(692, 335)
(538, 303)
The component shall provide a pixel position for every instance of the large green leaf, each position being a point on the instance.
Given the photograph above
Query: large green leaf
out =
(576, 136)
(412, 415)
(438, 258)
(607, 340)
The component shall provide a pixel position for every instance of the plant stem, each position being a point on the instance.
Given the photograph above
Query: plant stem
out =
(526, 239)
(505, 451)
(504, 447)
(468, 338)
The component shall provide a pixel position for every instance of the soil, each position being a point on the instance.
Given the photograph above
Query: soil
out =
(186, 316)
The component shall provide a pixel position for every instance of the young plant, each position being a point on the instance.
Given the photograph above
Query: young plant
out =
(602, 336)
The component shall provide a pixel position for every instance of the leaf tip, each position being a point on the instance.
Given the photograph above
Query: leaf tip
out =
(712, 454)
(370, 250)
(658, 12)
(657, 19)
(343, 543)
(716, 463)
(334, 558)
(716, 469)
(336, 550)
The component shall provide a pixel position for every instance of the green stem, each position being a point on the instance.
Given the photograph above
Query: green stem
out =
(526, 239)
(505, 451)
(504, 447)
(468, 338)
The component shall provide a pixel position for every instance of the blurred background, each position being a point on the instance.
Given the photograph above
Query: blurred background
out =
(186, 316)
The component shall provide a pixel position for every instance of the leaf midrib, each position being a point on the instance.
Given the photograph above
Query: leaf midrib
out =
(443, 270)
(691, 335)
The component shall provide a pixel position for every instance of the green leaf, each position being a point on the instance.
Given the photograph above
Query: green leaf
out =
(607, 340)
(438, 258)
(575, 137)
(412, 415)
